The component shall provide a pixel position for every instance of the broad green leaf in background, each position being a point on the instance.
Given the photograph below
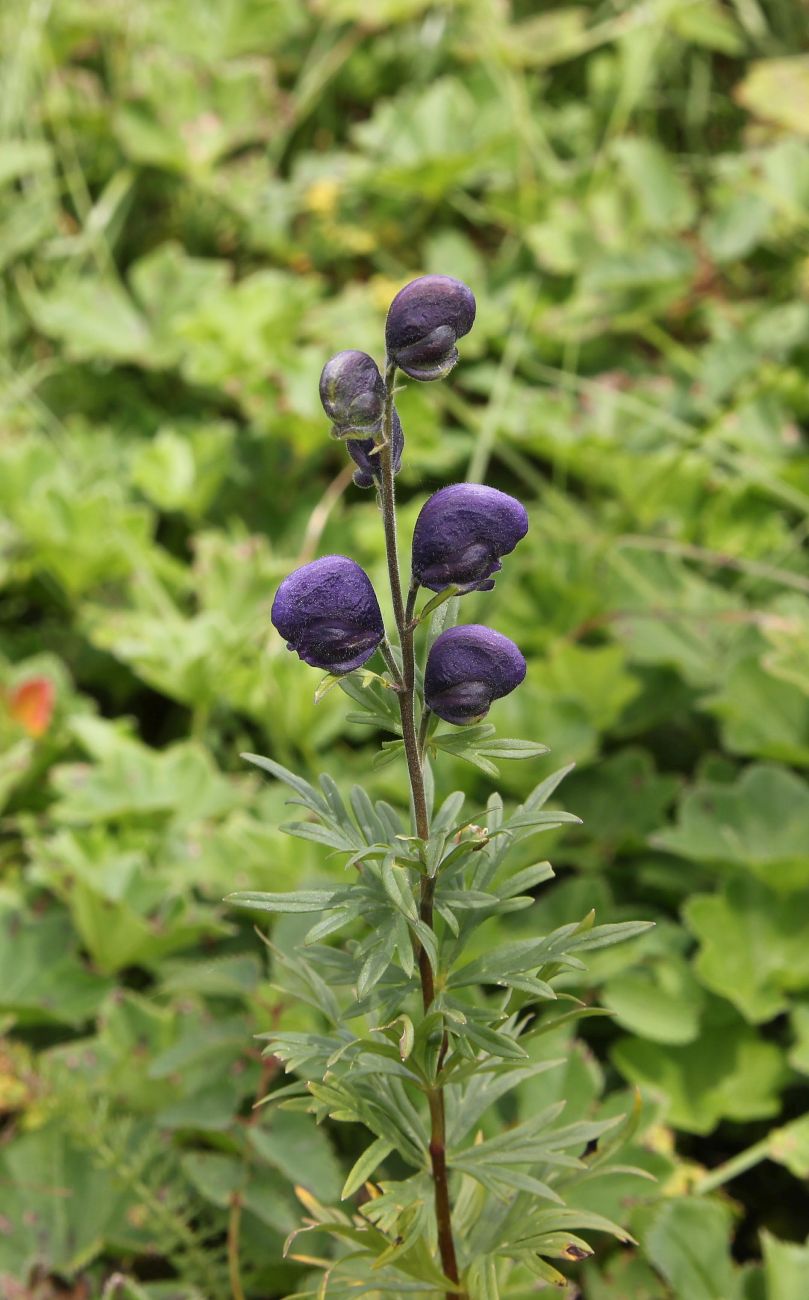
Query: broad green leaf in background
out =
(686, 1240)
(785, 1264)
(624, 796)
(753, 945)
(662, 195)
(93, 318)
(42, 977)
(738, 1079)
(762, 714)
(131, 779)
(778, 90)
(757, 823)
(300, 1151)
(263, 1192)
(58, 1207)
(661, 1001)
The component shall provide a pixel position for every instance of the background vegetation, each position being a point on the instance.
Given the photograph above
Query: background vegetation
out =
(199, 203)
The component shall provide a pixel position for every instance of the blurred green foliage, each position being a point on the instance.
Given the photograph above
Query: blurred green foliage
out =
(199, 203)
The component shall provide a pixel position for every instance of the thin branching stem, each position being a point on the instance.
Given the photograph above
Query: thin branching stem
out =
(403, 616)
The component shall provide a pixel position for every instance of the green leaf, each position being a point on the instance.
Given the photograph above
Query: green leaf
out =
(753, 945)
(778, 91)
(737, 226)
(761, 714)
(604, 936)
(627, 1277)
(623, 799)
(541, 1269)
(93, 318)
(491, 1042)
(399, 890)
(663, 197)
(738, 1079)
(130, 779)
(59, 1207)
(688, 1241)
(300, 900)
(788, 1145)
(786, 1265)
(261, 1190)
(374, 967)
(302, 788)
(301, 1151)
(757, 822)
(660, 1001)
(483, 1278)
(407, 1037)
(432, 605)
(42, 979)
(362, 1169)
(706, 23)
(21, 157)
(511, 749)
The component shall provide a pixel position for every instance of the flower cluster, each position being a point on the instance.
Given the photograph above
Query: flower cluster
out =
(327, 611)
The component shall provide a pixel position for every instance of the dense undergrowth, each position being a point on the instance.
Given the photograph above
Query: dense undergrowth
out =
(198, 205)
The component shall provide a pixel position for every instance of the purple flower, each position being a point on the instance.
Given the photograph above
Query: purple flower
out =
(362, 452)
(425, 321)
(328, 612)
(353, 394)
(467, 668)
(461, 533)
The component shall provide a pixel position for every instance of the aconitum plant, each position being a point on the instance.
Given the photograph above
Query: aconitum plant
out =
(418, 1039)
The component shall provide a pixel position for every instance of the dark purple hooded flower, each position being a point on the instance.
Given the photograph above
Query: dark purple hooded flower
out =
(467, 668)
(425, 321)
(461, 533)
(353, 394)
(328, 612)
(368, 461)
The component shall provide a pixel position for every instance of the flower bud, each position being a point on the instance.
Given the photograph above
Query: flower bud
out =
(327, 611)
(353, 394)
(425, 321)
(467, 668)
(368, 460)
(461, 533)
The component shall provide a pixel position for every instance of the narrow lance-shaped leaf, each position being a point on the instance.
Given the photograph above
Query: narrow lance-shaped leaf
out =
(362, 1169)
(300, 900)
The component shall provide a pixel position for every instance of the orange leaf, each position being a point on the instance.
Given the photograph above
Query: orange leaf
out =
(31, 704)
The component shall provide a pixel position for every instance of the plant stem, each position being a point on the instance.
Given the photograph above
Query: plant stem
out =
(388, 491)
(738, 1164)
(404, 618)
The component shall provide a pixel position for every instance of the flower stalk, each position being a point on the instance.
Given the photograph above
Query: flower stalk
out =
(403, 616)
(328, 613)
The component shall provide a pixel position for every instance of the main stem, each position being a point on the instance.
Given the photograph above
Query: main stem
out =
(403, 614)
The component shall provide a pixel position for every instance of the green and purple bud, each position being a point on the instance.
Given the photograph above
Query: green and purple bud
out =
(467, 668)
(352, 392)
(424, 323)
(461, 534)
(328, 613)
